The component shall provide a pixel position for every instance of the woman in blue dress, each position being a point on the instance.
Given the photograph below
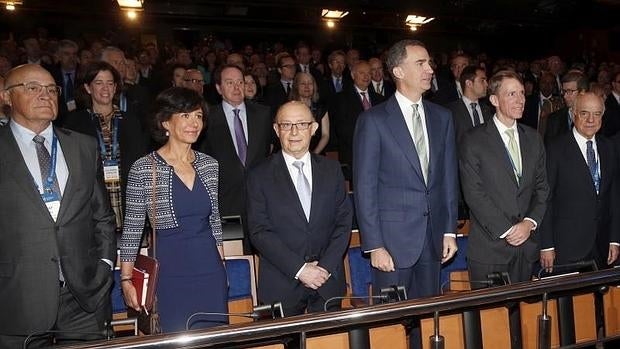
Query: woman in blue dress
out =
(192, 277)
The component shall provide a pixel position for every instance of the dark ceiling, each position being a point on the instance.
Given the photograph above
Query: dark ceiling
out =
(452, 15)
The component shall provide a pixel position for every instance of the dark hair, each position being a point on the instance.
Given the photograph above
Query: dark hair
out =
(171, 101)
(217, 75)
(398, 52)
(579, 78)
(469, 74)
(88, 73)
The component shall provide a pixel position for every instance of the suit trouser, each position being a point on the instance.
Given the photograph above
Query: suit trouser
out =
(76, 325)
(420, 280)
(518, 268)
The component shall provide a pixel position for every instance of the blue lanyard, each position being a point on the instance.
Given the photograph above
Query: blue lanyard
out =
(114, 155)
(48, 186)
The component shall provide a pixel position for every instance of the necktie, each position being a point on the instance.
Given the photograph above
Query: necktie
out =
(513, 151)
(45, 163)
(420, 141)
(474, 113)
(303, 188)
(338, 85)
(3, 120)
(379, 88)
(288, 88)
(305, 68)
(68, 88)
(242, 145)
(365, 102)
(592, 165)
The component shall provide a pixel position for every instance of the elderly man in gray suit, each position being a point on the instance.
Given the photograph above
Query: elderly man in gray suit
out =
(57, 243)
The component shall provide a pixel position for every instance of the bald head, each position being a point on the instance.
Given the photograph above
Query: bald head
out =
(360, 72)
(588, 114)
(36, 106)
(295, 125)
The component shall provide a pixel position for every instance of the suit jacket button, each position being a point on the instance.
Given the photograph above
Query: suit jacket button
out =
(425, 213)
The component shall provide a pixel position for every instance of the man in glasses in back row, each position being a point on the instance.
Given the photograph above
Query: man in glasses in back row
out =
(57, 229)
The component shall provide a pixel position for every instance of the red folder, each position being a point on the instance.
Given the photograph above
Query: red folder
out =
(144, 278)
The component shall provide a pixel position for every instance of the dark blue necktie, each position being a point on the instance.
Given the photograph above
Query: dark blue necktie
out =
(474, 112)
(68, 88)
(592, 165)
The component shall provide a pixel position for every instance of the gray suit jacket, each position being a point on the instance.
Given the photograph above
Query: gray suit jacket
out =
(31, 243)
(495, 199)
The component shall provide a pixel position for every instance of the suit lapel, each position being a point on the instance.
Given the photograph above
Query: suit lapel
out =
(496, 145)
(221, 126)
(605, 165)
(396, 123)
(252, 127)
(318, 185)
(16, 166)
(283, 177)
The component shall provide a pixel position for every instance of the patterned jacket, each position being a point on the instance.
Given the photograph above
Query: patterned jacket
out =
(139, 199)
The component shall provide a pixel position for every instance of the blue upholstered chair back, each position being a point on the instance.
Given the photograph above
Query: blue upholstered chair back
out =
(360, 272)
(239, 273)
(459, 262)
(118, 302)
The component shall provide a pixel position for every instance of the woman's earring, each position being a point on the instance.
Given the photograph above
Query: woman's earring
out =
(167, 134)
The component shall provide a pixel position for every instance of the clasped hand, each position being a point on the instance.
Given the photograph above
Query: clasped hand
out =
(313, 276)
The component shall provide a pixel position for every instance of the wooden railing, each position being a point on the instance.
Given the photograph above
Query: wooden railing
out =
(298, 328)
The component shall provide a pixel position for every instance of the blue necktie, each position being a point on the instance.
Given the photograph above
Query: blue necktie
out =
(592, 165)
(338, 85)
(45, 163)
(242, 146)
(303, 188)
(68, 88)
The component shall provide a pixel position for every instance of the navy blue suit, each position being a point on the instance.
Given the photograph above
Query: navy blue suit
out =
(396, 209)
(285, 239)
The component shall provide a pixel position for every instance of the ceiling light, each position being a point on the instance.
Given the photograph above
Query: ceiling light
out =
(10, 5)
(330, 24)
(333, 14)
(414, 21)
(132, 15)
(130, 3)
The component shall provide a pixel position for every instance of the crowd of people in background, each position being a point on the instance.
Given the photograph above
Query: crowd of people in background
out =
(273, 111)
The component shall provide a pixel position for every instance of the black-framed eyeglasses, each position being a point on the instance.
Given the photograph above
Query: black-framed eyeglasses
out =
(569, 91)
(287, 126)
(34, 88)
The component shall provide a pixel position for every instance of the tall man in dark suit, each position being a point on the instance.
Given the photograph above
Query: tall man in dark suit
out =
(405, 180)
(561, 121)
(238, 136)
(502, 168)
(541, 104)
(299, 219)
(468, 111)
(582, 221)
(348, 105)
(57, 243)
(336, 81)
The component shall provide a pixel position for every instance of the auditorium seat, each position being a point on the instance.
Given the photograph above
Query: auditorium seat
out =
(119, 309)
(242, 286)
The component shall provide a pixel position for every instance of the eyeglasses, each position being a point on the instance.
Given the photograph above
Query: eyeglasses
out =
(195, 81)
(287, 126)
(569, 91)
(233, 83)
(34, 88)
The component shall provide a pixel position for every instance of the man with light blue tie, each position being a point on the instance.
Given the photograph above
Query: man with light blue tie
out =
(57, 240)
(299, 219)
(405, 180)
